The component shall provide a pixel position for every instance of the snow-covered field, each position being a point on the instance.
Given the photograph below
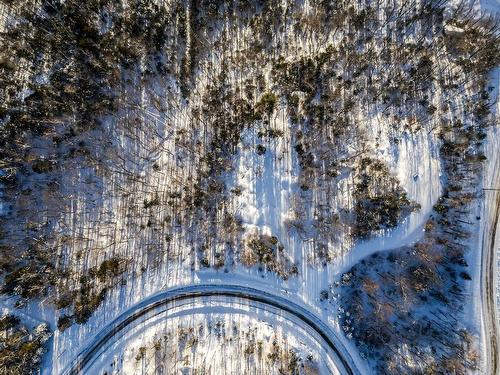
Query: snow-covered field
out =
(214, 336)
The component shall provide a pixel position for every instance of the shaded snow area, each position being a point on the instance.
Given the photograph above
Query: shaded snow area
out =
(331, 153)
(218, 339)
(492, 6)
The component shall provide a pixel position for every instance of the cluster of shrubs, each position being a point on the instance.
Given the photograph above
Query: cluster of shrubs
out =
(269, 254)
(404, 298)
(273, 354)
(79, 304)
(31, 276)
(380, 202)
(21, 349)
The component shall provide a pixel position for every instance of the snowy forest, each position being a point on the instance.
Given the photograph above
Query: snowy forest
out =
(340, 154)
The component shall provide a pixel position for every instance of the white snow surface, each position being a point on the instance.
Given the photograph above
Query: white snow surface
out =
(223, 334)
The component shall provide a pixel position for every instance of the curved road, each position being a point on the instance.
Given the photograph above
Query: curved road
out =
(340, 354)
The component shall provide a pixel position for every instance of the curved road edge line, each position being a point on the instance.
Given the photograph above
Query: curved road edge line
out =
(342, 360)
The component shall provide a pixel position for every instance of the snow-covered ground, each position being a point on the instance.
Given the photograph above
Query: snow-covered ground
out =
(149, 157)
(492, 6)
(216, 338)
(491, 174)
(269, 187)
(263, 206)
(217, 313)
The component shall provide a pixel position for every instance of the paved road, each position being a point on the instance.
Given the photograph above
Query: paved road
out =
(488, 276)
(161, 301)
(490, 245)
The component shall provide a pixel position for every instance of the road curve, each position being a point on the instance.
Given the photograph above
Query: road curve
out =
(339, 352)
